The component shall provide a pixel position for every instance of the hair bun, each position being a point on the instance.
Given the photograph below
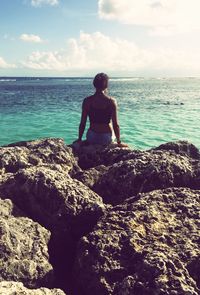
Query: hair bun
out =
(101, 81)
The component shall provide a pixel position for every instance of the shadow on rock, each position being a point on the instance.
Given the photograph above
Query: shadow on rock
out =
(62, 205)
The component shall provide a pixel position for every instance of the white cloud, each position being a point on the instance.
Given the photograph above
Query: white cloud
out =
(45, 61)
(5, 65)
(37, 3)
(94, 52)
(31, 38)
(166, 16)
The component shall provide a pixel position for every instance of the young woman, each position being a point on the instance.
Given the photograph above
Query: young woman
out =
(102, 112)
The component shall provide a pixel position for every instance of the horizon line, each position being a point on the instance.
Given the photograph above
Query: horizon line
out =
(91, 77)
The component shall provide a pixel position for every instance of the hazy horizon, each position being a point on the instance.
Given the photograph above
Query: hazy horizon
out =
(111, 77)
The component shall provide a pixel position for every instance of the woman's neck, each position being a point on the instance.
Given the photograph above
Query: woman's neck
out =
(100, 92)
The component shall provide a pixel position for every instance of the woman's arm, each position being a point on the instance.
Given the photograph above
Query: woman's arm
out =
(115, 122)
(83, 119)
(116, 125)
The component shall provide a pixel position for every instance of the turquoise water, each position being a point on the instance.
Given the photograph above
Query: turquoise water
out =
(151, 110)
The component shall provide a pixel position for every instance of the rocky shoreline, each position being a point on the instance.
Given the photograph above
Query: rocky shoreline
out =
(99, 220)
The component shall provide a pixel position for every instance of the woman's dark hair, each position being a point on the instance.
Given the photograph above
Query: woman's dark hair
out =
(101, 81)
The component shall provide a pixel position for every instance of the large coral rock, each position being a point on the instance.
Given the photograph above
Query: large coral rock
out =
(181, 147)
(23, 249)
(90, 156)
(49, 152)
(11, 288)
(147, 172)
(37, 175)
(145, 246)
(54, 199)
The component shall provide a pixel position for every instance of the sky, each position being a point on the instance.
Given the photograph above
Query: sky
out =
(83, 37)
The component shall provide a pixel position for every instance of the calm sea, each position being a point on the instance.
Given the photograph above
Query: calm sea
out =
(151, 110)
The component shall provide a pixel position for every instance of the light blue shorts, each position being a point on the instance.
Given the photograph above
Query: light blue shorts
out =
(98, 138)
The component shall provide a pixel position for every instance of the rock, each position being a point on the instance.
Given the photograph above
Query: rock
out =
(8, 209)
(148, 244)
(63, 205)
(49, 152)
(23, 249)
(54, 199)
(45, 191)
(145, 246)
(90, 156)
(181, 147)
(147, 172)
(11, 288)
(91, 176)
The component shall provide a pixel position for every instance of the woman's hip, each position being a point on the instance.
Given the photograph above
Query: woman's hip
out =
(98, 138)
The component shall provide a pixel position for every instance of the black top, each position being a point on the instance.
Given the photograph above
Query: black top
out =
(100, 116)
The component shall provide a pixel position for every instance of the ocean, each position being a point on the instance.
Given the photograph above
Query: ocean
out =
(151, 111)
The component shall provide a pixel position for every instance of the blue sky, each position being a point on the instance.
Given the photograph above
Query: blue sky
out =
(80, 38)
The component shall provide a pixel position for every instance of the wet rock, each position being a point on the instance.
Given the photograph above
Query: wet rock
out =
(145, 246)
(23, 249)
(49, 152)
(147, 172)
(11, 288)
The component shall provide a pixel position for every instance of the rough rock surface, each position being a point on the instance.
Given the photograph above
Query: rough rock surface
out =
(91, 176)
(23, 249)
(8, 209)
(90, 156)
(54, 199)
(51, 152)
(45, 191)
(181, 147)
(146, 246)
(147, 172)
(63, 205)
(11, 288)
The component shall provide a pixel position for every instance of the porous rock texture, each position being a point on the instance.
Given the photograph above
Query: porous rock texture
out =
(147, 172)
(144, 246)
(90, 156)
(180, 147)
(118, 173)
(48, 194)
(23, 248)
(54, 199)
(50, 152)
(44, 189)
(15, 288)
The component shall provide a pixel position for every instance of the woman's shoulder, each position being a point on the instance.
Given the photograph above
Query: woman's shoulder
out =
(87, 100)
(112, 101)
